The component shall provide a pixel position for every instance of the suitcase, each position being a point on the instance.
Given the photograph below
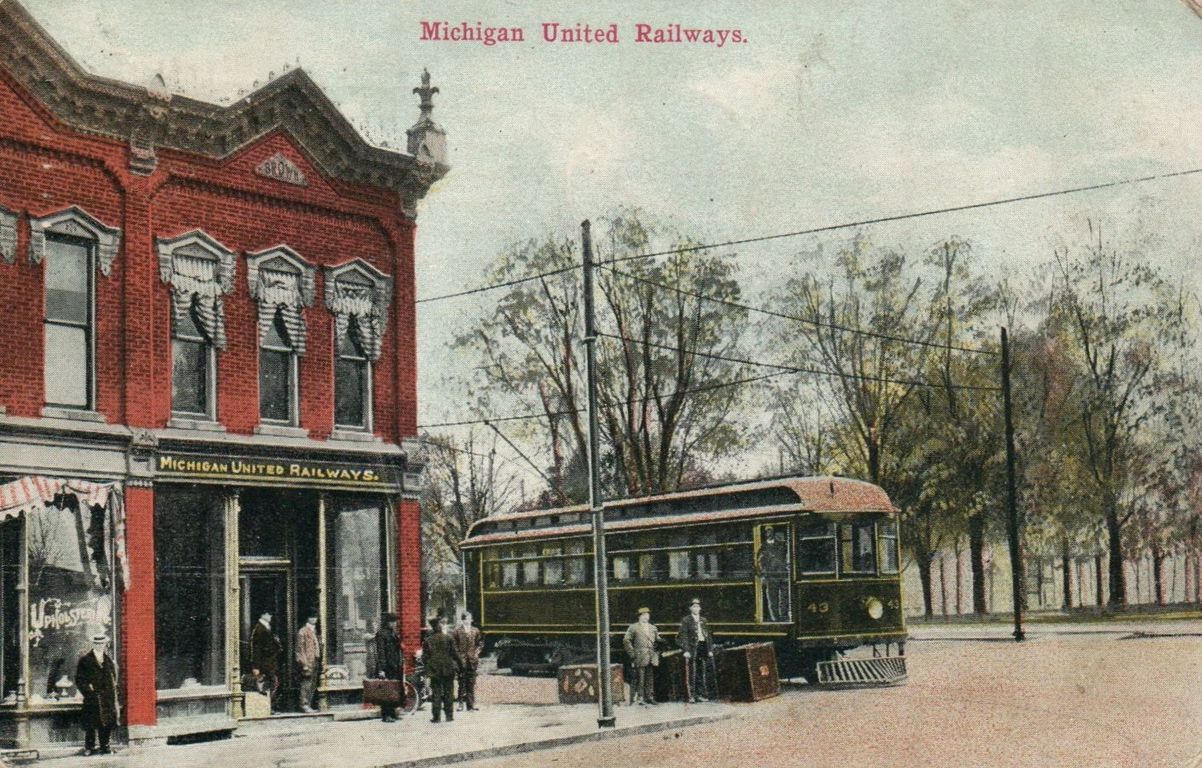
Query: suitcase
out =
(382, 692)
(578, 684)
(748, 672)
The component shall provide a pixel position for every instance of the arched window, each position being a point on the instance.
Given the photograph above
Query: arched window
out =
(358, 295)
(200, 271)
(283, 285)
(71, 245)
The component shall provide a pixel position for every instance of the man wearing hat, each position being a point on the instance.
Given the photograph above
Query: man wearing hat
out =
(96, 679)
(442, 664)
(308, 656)
(388, 659)
(469, 641)
(695, 639)
(639, 643)
(265, 650)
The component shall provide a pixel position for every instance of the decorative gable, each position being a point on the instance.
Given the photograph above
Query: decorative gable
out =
(75, 222)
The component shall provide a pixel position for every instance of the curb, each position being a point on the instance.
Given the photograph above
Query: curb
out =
(560, 741)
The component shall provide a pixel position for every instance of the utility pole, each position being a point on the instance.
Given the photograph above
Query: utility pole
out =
(600, 561)
(1016, 555)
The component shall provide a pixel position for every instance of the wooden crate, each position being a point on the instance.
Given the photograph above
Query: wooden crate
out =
(748, 672)
(578, 684)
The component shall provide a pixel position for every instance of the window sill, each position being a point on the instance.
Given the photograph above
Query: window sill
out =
(199, 425)
(194, 692)
(354, 436)
(281, 430)
(73, 414)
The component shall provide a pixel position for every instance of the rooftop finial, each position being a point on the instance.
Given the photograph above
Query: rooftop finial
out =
(426, 92)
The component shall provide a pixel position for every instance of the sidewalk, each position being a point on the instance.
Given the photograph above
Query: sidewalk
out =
(497, 729)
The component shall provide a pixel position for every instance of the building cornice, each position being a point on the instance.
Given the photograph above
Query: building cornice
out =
(148, 118)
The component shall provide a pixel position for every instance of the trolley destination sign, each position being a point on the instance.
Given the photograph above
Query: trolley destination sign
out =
(285, 471)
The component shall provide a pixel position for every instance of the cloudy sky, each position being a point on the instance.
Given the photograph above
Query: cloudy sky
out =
(831, 112)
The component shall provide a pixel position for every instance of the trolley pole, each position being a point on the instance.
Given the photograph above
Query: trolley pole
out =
(1012, 525)
(600, 562)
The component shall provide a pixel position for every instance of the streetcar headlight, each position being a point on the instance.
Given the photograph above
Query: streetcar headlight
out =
(876, 608)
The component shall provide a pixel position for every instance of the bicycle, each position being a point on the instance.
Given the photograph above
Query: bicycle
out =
(416, 689)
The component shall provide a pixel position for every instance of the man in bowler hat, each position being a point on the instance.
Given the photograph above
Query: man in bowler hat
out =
(96, 679)
(388, 659)
(468, 643)
(639, 644)
(442, 664)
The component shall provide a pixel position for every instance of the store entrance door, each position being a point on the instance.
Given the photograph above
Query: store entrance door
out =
(268, 588)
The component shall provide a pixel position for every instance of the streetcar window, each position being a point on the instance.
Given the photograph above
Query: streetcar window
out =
(856, 550)
(736, 561)
(493, 571)
(888, 531)
(706, 559)
(650, 567)
(816, 549)
(552, 566)
(621, 568)
(576, 567)
(678, 564)
(509, 574)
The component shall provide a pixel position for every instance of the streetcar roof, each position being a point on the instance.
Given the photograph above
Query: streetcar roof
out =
(751, 499)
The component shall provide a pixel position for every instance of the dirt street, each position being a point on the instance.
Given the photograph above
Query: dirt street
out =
(1071, 695)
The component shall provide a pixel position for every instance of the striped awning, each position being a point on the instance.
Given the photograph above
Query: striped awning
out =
(36, 492)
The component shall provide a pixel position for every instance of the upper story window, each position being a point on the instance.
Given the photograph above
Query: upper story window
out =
(71, 244)
(192, 363)
(68, 367)
(358, 294)
(200, 271)
(282, 283)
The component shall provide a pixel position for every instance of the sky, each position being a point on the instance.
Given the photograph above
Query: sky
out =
(830, 112)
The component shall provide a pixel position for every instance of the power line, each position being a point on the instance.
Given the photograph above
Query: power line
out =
(506, 284)
(631, 401)
(909, 215)
(797, 369)
(817, 323)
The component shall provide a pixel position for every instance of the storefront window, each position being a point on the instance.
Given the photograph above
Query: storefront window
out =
(356, 580)
(189, 534)
(70, 593)
(10, 609)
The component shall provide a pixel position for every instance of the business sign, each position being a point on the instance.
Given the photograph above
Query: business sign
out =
(278, 471)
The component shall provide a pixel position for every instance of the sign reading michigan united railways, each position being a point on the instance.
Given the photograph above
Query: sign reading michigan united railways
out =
(290, 471)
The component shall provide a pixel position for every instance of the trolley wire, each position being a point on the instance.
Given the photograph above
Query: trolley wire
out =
(909, 215)
(800, 369)
(806, 320)
(506, 284)
(632, 401)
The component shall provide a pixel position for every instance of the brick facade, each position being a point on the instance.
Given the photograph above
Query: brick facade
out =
(157, 167)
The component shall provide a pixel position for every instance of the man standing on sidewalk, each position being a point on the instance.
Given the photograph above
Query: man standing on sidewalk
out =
(308, 652)
(442, 664)
(639, 644)
(695, 639)
(96, 679)
(469, 641)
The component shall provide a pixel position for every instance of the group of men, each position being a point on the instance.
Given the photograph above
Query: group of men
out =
(447, 655)
(265, 650)
(642, 642)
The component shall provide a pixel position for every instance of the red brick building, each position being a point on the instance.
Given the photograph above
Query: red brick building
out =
(207, 390)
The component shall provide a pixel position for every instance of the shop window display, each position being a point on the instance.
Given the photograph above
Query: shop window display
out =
(356, 580)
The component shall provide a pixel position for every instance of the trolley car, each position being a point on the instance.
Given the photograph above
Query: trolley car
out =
(809, 563)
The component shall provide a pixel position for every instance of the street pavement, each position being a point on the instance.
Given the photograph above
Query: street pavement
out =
(413, 742)
(1088, 695)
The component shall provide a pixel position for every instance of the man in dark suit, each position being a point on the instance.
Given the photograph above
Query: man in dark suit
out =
(389, 660)
(695, 639)
(442, 664)
(265, 650)
(96, 679)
